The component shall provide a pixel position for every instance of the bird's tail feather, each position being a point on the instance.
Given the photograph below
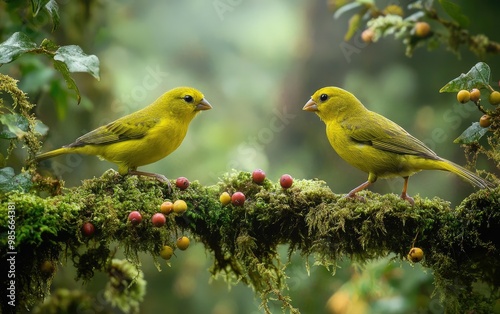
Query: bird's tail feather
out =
(467, 175)
(52, 153)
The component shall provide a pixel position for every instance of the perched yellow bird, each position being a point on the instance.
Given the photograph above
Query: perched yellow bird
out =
(375, 144)
(144, 136)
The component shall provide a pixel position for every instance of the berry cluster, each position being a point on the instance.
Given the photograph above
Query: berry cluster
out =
(258, 177)
(474, 95)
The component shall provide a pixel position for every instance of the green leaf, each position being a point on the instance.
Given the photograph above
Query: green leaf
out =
(53, 10)
(455, 12)
(77, 61)
(471, 134)
(63, 68)
(48, 44)
(478, 77)
(13, 126)
(41, 128)
(16, 45)
(10, 182)
(343, 9)
(415, 17)
(37, 5)
(354, 23)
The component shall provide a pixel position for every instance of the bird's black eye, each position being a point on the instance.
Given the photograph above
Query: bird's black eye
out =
(188, 98)
(323, 97)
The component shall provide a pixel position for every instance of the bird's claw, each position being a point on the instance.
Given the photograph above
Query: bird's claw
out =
(408, 198)
(355, 197)
(157, 176)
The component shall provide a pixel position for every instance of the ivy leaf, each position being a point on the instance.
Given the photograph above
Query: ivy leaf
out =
(10, 182)
(471, 134)
(63, 68)
(77, 61)
(455, 12)
(13, 126)
(16, 45)
(478, 77)
(53, 10)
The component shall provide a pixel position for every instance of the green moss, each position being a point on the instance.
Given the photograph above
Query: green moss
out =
(460, 245)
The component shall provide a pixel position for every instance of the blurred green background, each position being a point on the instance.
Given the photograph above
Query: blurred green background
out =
(257, 64)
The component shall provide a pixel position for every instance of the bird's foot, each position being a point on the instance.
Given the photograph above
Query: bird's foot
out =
(354, 196)
(408, 198)
(157, 176)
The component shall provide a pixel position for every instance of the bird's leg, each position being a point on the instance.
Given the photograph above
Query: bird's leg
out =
(404, 195)
(363, 186)
(157, 176)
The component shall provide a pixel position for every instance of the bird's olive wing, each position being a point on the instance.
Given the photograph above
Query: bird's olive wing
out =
(122, 129)
(383, 134)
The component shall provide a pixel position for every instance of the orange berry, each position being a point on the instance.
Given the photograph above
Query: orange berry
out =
(367, 35)
(485, 121)
(475, 95)
(422, 29)
(166, 207)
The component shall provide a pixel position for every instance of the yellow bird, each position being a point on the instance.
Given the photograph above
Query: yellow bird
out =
(375, 144)
(142, 137)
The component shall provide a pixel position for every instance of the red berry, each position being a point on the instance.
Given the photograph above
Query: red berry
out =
(88, 229)
(238, 199)
(258, 176)
(135, 217)
(158, 220)
(286, 181)
(182, 183)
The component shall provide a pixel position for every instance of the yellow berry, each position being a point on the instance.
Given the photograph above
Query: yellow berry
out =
(225, 198)
(166, 207)
(166, 252)
(367, 35)
(180, 207)
(422, 29)
(475, 95)
(463, 96)
(494, 98)
(416, 254)
(183, 243)
(485, 121)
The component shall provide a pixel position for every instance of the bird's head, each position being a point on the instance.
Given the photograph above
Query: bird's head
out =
(184, 102)
(333, 103)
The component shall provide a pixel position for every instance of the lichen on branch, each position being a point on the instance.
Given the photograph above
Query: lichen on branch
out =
(460, 244)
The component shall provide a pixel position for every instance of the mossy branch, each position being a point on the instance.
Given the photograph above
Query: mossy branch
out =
(460, 244)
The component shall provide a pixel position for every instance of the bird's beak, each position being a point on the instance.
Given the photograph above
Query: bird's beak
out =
(203, 105)
(310, 106)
